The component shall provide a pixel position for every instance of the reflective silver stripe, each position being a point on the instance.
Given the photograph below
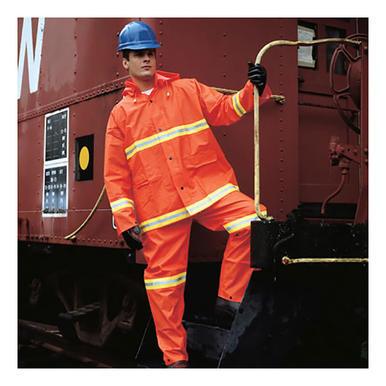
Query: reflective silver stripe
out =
(167, 135)
(237, 106)
(121, 204)
(211, 198)
(240, 223)
(165, 282)
(180, 214)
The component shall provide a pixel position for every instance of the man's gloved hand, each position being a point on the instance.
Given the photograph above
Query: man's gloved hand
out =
(258, 76)
(132, 238)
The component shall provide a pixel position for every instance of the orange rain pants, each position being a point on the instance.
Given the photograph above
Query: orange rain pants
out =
(163, 168)
(166, 252)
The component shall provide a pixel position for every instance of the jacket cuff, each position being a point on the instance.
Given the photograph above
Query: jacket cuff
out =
(124, 214)
(246, 96)
(124, 221)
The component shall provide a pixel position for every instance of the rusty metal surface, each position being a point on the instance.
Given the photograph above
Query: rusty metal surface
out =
(80, 69)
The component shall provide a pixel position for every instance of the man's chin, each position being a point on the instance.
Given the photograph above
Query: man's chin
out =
(147, 76)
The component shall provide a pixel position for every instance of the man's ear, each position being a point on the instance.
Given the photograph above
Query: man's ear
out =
(125, 63)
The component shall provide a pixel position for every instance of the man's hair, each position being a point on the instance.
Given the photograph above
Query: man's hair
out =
(125, 53)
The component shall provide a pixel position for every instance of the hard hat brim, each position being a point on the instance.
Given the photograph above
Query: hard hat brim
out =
(137, 47)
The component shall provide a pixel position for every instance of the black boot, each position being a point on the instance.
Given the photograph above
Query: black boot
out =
(225, 311)
(179, 365)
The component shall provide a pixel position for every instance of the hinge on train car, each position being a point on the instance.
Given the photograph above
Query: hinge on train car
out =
(343, 151)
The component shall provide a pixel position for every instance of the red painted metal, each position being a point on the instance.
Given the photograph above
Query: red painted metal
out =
(317, 125)
(81, 70)
(362, 214)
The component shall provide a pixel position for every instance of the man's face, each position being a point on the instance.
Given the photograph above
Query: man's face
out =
(141, 64)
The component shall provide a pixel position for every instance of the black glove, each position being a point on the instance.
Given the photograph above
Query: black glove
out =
(132, 239)
(257, 75)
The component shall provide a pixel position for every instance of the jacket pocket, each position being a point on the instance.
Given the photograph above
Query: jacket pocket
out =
(139, 178)
(142, 194)
(200, 150)
(201, 158)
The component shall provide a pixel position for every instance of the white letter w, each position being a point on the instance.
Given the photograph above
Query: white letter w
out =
(33, 60)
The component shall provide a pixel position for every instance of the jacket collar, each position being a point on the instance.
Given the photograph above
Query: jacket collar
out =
(161, 79)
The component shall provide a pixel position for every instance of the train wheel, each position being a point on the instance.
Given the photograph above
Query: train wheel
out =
(101, 306)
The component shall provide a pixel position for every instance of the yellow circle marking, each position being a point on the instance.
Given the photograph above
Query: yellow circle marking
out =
(84, 158)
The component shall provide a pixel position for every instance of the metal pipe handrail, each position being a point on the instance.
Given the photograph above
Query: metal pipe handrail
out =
(256, 104)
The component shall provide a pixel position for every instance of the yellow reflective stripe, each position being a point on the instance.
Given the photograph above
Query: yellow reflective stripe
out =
(164, 136)
(165, 219)
(237, 106)
(121, 204)
(180, 214)
(211, 198)
(165, 282)
(240, 223)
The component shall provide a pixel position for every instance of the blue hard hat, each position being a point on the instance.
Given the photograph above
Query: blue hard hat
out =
(137, 35)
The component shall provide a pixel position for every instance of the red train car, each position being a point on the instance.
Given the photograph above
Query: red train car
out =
(69, 78)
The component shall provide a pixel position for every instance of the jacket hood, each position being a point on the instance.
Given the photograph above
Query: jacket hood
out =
(161, 79)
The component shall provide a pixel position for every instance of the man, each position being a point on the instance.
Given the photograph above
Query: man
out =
(164, 168)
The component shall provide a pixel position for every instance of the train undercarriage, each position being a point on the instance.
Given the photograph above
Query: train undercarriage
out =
(296, 313)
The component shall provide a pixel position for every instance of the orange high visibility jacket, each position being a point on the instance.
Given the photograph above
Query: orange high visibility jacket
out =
(162, 161)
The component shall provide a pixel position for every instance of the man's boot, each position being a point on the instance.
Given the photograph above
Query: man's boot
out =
(225, 311)
(179, 365)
